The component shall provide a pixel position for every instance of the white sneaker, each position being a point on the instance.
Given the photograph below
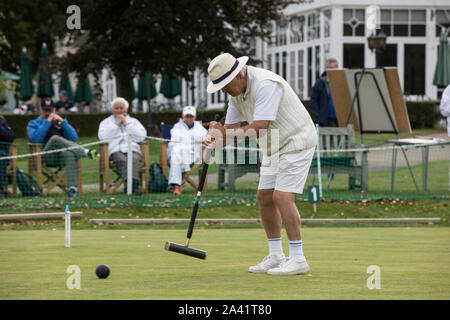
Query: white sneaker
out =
(290, 267)
(267, 263)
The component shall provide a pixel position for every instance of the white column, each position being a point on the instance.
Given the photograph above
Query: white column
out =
(431, 48)
(336, 32)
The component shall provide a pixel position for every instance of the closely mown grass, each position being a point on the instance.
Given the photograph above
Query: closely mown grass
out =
(413, 264)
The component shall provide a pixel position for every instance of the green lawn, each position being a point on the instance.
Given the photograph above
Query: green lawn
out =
(413, 262)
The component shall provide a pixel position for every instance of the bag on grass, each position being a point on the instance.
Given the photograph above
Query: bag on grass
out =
(27, 185)
(158, 182)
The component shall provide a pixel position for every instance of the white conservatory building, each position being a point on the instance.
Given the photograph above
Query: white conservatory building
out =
(320, 29)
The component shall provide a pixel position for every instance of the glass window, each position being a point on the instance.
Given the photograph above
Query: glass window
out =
(388, 58)
(269, 62)
(326, 51)
(326, 23)
(353, 55)
(414, 75)
(292, 76)
(277, 63)
(418, 30)
(310, 66)
(403, 23)
(281, 33)
(317, 62)
(401, 16)
(442, 21)
(418, 16)
(354, 22)
(297, 29)
(300, 73)
(268, 27)
(314, 26)
(284, 65)
(401, 30)
(385, 16)
(252, 47)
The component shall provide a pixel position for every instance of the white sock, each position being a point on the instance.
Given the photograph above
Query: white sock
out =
(296, 250)
(275, 247)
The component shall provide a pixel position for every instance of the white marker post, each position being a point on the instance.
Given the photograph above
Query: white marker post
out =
(129, 164)
(319, 171)
(67, 225)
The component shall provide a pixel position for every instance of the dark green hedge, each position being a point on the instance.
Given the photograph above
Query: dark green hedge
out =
(421, 115)
(86, 124)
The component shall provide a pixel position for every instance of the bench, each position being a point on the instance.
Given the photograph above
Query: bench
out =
(238, 167)
(332, 161)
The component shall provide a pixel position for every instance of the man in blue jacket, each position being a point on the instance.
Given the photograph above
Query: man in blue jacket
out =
(321, 100)
(54, 132)
(6, 138)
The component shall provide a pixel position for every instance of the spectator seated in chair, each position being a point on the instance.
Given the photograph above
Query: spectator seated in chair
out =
(185, 146)
(54, 132)
(114, 130)
(6, 138)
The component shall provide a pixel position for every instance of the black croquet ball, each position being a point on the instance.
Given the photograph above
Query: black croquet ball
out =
(102, 271)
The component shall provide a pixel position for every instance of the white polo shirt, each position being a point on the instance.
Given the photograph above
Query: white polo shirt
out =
(267, 101)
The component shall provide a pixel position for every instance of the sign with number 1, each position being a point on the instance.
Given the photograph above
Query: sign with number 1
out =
(313, 194)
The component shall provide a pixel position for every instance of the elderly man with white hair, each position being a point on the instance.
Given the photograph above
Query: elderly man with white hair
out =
(114, 130)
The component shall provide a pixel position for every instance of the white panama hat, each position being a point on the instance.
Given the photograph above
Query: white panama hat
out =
(222, 69)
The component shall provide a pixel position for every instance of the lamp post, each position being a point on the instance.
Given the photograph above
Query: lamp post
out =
(377, 43)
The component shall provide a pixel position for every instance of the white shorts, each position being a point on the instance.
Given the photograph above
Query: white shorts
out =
(288, 174)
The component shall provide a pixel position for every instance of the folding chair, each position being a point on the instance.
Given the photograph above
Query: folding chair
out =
(163, 162)
(106, 186)
(49, 177)
(11, 170)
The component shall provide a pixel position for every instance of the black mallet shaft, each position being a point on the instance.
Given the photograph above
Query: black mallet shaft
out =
(185, 249)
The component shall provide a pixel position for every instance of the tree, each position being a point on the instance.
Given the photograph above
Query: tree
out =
(28, 24)
(165, 36)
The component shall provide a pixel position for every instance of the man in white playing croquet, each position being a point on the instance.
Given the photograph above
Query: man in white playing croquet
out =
(287, 137)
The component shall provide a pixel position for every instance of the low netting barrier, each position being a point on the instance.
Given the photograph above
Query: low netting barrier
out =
(137, 171)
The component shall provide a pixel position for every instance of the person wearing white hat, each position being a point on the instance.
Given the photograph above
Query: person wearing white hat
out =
(185, 145)
(275, 113)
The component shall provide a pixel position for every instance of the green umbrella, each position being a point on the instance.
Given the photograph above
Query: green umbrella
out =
(83, 92)
(45, 86)
(153, 92)
(26, 83)
(170, 86)
(442, 71)
(145, 85)
(65, 85)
